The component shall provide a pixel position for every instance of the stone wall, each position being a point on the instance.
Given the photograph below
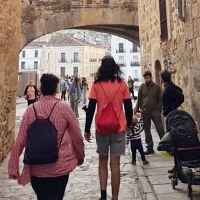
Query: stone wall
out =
(180, 53)
(10, 25)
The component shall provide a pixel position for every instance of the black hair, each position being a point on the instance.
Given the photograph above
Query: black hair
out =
(147, 73)
(108, 70)
(165, 75)
(49, 84)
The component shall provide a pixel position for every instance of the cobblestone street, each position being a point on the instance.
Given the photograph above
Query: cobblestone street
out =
(137, 182)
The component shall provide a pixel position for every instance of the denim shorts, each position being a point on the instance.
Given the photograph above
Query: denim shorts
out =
(116, 143)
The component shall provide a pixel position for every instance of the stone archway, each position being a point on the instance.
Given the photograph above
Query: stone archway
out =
(42, 17)
(33, 19)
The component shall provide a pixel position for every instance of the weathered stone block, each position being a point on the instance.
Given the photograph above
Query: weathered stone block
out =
(11, 120)
(198, 45)
(195, 10)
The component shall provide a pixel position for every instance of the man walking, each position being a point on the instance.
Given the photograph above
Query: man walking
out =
(149, 103)
(172, 96)
(63, 89)
(113, 145)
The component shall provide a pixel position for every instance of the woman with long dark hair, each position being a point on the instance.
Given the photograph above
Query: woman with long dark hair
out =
(108, 86)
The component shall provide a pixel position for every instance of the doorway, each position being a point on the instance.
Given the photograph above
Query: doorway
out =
(75, 71)
(157, 70)
(62, 71)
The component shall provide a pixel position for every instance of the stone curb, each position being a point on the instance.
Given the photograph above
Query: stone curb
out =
(144, 185)
(146, 189)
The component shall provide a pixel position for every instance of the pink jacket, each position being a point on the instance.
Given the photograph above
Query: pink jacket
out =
(71, 148)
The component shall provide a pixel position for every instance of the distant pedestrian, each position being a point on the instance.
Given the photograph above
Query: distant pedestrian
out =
(84, 90)
(80, 83)
(67, 89)
(75, 95)
(63, 89)
(130, 83)
(49, 180)
(150, 104)
(134, 138)
(172, 95)
(108, 86)
(31, 93)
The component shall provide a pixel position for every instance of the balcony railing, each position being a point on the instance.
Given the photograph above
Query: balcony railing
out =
(92, 74)
(62, 60)
(93, 60)
(75, 60)
(134, 50)
(120, 51)
(122, 64)
(135, 63)
(28, 67)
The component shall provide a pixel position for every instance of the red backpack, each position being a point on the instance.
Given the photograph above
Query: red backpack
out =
(108, 121)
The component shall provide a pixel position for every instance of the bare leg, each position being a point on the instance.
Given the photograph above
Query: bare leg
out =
(103, 171)
(115, 175)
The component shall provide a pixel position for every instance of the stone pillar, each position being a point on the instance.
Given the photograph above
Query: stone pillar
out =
(10, 29)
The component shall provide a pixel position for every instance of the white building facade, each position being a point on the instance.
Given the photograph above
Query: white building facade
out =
(127, 55)
(70, 56)
(29, 57)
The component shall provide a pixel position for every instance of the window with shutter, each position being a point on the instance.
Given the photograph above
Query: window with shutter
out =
(163, 20)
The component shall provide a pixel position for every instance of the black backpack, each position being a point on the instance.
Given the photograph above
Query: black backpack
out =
(42, 145)
(183, 129)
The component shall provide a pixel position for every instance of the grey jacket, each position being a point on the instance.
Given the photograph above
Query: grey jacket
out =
(77, 90)
(63, 85)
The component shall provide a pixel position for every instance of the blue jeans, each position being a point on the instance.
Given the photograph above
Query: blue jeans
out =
(84, 95)
(155, 116)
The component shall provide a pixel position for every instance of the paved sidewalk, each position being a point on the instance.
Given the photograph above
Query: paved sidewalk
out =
(155, 184)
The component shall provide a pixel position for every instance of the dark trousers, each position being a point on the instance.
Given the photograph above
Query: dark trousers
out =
(155, 116)
(49, 188)
(137, 145)
(131, 92)
(63, 95)
(31, 101)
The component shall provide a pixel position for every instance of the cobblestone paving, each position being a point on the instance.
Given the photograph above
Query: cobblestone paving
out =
(149, 182)
(83, 182)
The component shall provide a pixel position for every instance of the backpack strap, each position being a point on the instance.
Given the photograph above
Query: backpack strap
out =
(115, 93)
(49, 117)
(34, 111)
(52, 109)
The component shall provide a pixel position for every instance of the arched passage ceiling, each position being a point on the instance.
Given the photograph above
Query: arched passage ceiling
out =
(41, 17)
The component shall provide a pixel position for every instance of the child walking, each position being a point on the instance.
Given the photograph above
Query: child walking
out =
(135, 138)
